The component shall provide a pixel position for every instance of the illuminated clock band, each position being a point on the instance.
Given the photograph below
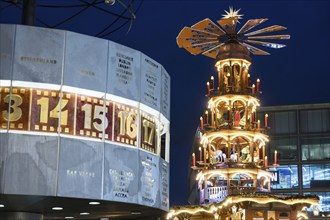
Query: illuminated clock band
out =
(50, 111)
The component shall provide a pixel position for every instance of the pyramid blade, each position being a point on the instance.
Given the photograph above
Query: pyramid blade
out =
(213, 52)
(282, 37)
(208, 26)
(195, 44)
(266, 44)
(251, 24)
(228, 24)
(255, 50)
(188, 36)
(266, 30)
(197, 49)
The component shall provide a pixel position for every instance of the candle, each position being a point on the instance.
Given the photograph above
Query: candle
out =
(212, 83)
(266, 161)
(219, 79)
(258, 85)
(208, 88)
(258, 124)
(275, 157)
(253, 86)
(201, 123)
(228, 78)
(212, 118)
(247, 117)
(266, 120)
(200, 153)
(248, 80)
(206, 117)
(193, 160)
(263, 151)
(228, 113)
(252, 117)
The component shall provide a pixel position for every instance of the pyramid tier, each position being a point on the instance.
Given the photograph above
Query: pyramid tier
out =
(232, 112)
(216, 185)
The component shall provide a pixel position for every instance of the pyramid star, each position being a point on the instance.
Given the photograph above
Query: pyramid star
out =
(232, 13)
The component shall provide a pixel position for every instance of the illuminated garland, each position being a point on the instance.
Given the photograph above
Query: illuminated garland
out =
(259, 198)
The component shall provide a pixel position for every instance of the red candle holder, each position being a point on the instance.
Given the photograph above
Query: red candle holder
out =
(258, 85)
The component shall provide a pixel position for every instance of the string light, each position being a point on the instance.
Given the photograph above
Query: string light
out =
(238, 199)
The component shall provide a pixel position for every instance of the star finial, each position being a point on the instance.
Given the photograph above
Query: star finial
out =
(232, 13)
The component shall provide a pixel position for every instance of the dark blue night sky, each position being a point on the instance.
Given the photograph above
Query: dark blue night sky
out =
(296, 74)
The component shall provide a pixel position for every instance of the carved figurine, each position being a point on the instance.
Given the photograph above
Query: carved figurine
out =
(225, 82)
(219, 116)
(237, 118)
(237, 77)
(246, 157)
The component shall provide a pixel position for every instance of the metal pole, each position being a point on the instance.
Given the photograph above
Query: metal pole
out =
(28, 12)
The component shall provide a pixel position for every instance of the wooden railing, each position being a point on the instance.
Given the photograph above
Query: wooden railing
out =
(237, 190)
(217, 194)
(213, 194)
